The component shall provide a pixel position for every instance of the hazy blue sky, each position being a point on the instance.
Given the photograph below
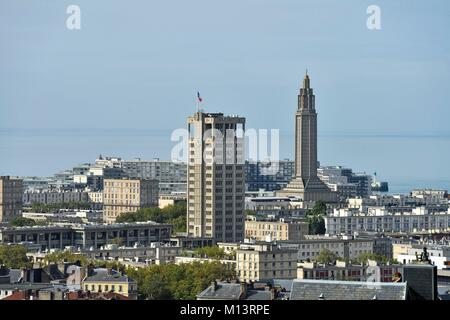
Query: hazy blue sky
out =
(138, 64)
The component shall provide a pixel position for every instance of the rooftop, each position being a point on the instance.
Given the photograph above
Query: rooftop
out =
(347, 290)
(222, 291)
(104, 276)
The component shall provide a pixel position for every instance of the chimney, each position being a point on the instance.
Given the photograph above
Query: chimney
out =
(421, 280)
(213, 286)
(243, 290)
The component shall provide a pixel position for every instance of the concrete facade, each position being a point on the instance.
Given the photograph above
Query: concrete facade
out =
(310, 248)
(11, 190)
(257, 262)
(306, 184)
(87, 236)
(216, 182)
(390, 220)
(128, 195)
(275, 230)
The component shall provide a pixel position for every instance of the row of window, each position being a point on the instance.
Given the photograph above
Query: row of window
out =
(103, 288)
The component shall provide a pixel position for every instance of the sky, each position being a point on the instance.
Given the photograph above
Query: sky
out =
(132, 72)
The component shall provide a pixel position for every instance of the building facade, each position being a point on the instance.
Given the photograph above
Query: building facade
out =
(275, 230)
(54, 197)
(128, 195)
(87, 236)
(343, 247)
(389, 220)
(216, 182)
(11, 190)
(346, 271)
(439, 255)
(171, 175)
(265, 261)
(105, 281)
(270, 176)
(346, 183)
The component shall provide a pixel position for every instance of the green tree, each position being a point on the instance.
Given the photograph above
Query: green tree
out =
(66, 256)
(117, 241)
(364, 257)
(327, 256)
(213, 252)
(315, 218)
(52, 207)
(14, 256)
(184, 281)
(172, 214)
(248, 212)
(22, 222)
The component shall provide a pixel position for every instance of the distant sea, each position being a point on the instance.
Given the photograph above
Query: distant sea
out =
(405, 161)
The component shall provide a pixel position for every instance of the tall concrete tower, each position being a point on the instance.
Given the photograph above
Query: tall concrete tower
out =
(216, 181)
(306, 184)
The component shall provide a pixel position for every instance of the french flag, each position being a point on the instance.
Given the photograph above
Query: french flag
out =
(198, 97)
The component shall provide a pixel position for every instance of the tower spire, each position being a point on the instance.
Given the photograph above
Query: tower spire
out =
(306, 84)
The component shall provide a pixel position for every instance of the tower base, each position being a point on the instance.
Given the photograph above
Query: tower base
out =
(311, 190)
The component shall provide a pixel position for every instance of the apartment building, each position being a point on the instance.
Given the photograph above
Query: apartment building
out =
(264, 261)
(54, 196)
(86, 236)
(372, 271)
(128, 195)
(387, 219)
(10, 198)
(275, 229)
(343, 247)
(216, 190)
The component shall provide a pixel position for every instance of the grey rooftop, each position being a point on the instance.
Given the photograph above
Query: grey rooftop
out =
(347, 290)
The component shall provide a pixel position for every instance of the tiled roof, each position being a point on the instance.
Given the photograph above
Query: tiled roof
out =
(258, 295)
(282, 283)
(223, 290)
(103, 275)
(347, 290)
(108, 278)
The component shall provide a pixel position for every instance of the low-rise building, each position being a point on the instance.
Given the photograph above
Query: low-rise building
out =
(371, 271)
(306, 289)
(388, 220)
(104, 280)
(128, 195)
(439, 255)
(276, 206)
(66, 216)
(54, 197)
(10, 198)
(237, 291)
(345, 182)
(230, 264)
(87, 235)
(275, 229)
(153, 253)
(345, 247)
(170, 200)
(96, 199)
(264, 261)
